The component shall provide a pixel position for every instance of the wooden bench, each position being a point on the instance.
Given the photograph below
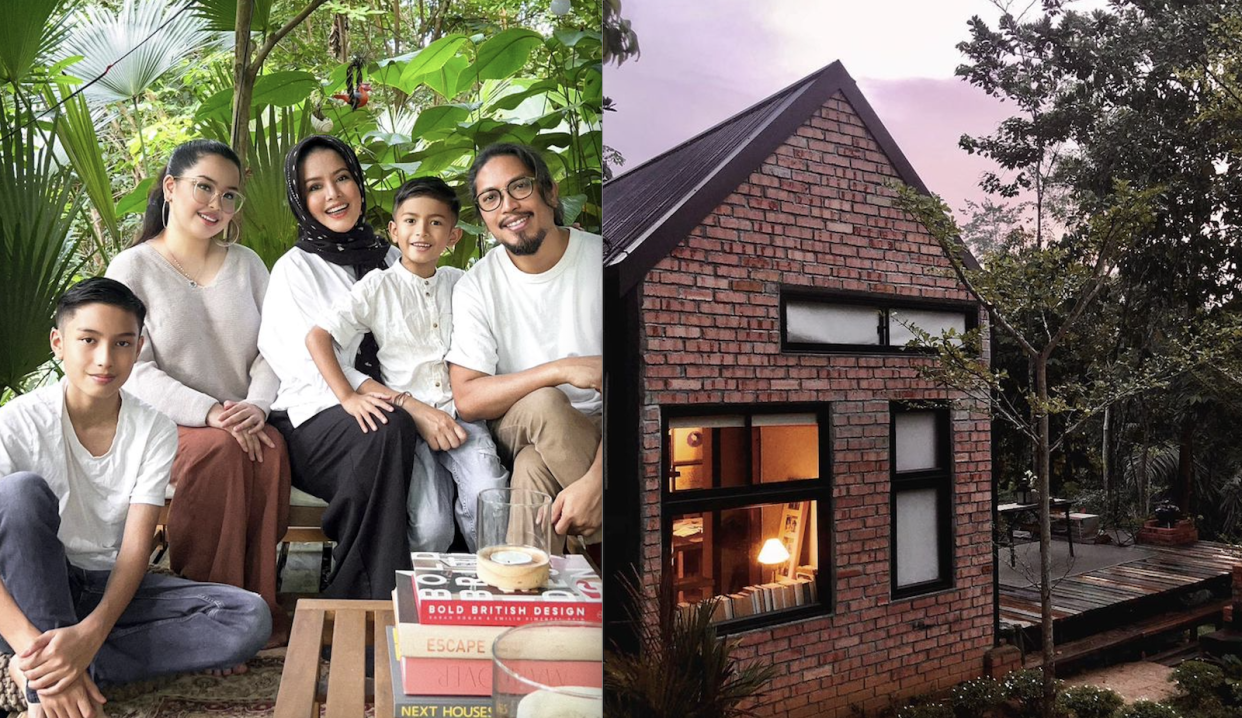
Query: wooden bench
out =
(305, 526)
(350, 627)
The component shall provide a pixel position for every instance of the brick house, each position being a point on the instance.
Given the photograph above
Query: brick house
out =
(759, 288)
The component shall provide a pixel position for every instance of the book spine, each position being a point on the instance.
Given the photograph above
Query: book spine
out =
(465, 707)
(449, 612)
(446, 677)
(441, 641)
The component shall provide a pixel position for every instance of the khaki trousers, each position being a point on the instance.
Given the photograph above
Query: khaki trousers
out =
(549, 443)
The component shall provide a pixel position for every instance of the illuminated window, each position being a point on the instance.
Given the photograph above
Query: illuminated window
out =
(735, 482)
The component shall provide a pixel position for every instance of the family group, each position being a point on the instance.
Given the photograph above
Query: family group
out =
(358, 371)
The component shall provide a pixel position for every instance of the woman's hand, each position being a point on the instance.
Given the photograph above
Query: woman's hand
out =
(245, 422)
(367, 409)
(241, 416)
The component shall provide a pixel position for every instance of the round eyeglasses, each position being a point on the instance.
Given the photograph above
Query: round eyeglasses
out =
(520, 188)
(204, 192)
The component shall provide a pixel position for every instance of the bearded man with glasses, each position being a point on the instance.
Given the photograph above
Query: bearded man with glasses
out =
(527, 344)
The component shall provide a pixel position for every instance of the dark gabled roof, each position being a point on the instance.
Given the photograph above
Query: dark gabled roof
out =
(651, 208)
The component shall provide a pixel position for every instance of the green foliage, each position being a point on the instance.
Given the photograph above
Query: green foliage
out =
(1200, 684)
(976, 697)
(1026, 687)
(38, 260)
(1147, 709)
(268, 227)
(80, 141)
(30, 33)
(102, 37)
(1089, 702)
(682, 669)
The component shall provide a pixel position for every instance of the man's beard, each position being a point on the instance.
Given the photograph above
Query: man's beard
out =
(526, 246)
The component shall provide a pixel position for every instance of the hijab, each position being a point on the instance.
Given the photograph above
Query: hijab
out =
(359, 248)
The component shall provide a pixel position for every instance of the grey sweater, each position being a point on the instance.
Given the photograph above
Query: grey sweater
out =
(201, 342)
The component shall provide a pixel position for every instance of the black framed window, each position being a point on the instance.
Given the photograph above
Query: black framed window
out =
(920, 455)
(818, 322)
(746, 503)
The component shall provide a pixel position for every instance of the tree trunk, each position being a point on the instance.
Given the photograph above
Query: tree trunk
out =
(1047, 710)
(1185, 465)
(243, 80)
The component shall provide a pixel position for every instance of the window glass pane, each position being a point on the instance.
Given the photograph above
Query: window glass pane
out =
(716, 452)
(931, 321)
(717, 554)
(916, 440)
(918, 537)
(819, 323)
(789, 452)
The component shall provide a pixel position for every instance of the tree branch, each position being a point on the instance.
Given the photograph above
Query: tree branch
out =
(279, 35)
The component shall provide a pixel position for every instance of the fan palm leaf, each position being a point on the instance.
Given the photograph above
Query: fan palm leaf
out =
(268, 227)
(221, 15)
(80, 141)
(38, 255)
(160, 34)
(30, 32)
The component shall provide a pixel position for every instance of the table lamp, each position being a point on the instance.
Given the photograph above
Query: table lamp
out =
(773, 554)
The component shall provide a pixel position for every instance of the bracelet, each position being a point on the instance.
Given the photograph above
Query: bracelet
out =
(400, 399)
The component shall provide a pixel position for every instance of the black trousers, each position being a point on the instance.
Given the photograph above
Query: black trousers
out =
(365, 479)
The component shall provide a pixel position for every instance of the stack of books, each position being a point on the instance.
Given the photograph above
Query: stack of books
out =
(781, 594)
(447, 620)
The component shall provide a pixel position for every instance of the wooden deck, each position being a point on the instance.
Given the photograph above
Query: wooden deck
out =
(1108, 597)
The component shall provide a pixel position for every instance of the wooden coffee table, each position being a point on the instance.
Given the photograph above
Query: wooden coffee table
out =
(349, 627)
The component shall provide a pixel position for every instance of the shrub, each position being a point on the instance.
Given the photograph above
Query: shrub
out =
(974, 698)
(1201, 684)
(1147, 709)
(1089, 702)
(1027, 688)
(925, 710)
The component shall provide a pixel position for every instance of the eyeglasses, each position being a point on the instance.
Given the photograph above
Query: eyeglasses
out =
(520, 188)
(205, 192)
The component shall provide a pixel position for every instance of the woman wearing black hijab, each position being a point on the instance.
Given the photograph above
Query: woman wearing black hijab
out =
(364, 477)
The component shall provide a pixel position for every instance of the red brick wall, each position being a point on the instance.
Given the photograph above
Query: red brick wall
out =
(817, 214)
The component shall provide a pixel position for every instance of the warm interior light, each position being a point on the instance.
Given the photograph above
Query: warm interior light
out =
(773, 552)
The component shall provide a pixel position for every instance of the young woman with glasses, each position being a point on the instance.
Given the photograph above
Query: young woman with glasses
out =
(201, 367)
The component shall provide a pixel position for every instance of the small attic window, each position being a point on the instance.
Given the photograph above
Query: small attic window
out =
(864, 323)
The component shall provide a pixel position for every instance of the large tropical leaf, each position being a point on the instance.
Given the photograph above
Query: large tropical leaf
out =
(268, 227)
(282, 89)
(38, 257)
(164, 33)
(505, 53)
(221, 15)
(77, 135)
(29, 31)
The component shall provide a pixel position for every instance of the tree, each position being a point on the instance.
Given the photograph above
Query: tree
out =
(1106, 129)
(248, 61)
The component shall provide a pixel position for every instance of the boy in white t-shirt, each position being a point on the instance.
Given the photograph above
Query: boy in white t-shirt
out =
(408, 307)
(83, 468)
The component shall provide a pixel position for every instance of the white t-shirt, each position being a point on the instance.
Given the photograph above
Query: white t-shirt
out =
(506, 321)
(94, 492)
(412, 320)
(302, 289)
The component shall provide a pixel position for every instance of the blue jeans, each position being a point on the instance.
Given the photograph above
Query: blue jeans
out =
(171, 625)
(473, 466)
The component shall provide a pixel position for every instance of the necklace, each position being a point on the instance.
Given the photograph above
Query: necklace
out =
(187, 275)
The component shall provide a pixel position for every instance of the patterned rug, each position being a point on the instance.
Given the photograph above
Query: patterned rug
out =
(249, 695)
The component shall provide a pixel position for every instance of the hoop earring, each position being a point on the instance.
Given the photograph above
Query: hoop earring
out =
(165, 213)
(228, 242)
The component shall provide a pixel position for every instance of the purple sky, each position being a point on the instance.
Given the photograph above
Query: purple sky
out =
(703, 62)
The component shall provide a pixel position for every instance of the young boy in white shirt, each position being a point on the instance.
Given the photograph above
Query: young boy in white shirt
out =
(83, 468)
(408, 307)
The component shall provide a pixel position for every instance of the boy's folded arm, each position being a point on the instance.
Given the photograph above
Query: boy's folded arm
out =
(62, 655)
